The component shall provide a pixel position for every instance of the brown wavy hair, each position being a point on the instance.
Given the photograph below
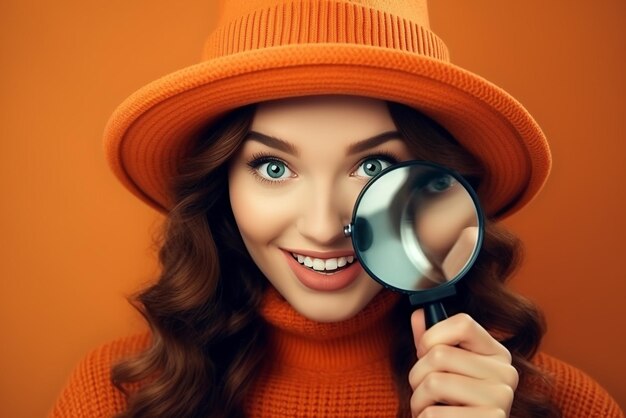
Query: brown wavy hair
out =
(207, 336)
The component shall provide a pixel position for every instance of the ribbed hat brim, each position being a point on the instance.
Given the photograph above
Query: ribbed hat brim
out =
(150, 132)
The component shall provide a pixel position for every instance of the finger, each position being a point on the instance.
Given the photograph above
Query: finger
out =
(460, 253)
(461, 330)
(455, 390)
(446, 411)
(418, 325)
(444, 358)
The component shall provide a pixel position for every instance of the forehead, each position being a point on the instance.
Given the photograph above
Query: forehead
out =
(332, 115)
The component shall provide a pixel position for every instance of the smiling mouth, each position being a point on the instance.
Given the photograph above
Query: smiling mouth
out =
(324, 265)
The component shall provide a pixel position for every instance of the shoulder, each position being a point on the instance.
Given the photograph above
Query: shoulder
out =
(89, 391)
(576, 393)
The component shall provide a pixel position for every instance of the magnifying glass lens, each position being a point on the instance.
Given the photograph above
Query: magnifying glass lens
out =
(417, 226)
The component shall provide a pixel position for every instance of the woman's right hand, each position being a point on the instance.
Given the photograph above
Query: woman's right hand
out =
(462, 370)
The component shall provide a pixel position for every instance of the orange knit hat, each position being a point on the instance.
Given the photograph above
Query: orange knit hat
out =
(270, 49)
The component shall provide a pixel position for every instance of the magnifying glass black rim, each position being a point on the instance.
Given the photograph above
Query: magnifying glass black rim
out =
(479, 214)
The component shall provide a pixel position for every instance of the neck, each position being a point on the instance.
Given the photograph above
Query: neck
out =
(296, 341)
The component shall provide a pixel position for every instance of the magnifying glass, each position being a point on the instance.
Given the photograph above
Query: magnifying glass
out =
(417, 228)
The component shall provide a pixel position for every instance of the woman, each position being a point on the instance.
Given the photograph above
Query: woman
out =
(257, 155)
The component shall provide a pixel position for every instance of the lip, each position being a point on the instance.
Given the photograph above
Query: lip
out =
(328, 282)
(320, 254)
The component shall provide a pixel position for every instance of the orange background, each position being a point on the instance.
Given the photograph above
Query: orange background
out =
(74, 243)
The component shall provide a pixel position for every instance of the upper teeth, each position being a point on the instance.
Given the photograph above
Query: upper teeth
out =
(323, 264)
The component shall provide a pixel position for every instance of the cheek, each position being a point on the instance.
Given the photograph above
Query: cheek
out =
(261, 215)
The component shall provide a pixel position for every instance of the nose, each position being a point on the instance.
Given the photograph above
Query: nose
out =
(323, 216)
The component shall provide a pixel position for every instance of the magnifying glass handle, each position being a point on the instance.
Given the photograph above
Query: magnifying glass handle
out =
(433, 313)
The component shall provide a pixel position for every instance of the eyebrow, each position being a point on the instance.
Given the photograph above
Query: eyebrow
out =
(355, 148)
(273, 142)
(372, 142)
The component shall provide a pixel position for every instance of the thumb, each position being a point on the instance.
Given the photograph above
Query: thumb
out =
(418, 325)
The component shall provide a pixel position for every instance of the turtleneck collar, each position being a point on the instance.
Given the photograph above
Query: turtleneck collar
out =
(297, 341)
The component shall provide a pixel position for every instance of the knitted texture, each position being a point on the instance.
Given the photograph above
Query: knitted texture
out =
(248, 26)
(317, 370)
(577, 393)
(90, 392)
(326, 369)
(269, 49)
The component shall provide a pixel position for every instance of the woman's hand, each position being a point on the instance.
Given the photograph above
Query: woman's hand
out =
(462, 371)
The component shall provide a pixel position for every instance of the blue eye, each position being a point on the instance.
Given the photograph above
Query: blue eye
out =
(439, 184)
(371, 167)
(273, 170)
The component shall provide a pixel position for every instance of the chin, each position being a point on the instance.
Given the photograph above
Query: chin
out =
(332, 306)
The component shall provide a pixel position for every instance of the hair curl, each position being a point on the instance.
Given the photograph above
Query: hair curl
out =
(206, 299)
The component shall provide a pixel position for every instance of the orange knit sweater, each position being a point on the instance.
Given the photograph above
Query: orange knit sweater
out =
(317, 370)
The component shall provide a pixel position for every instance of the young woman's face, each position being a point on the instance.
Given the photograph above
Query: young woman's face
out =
(293, 186)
